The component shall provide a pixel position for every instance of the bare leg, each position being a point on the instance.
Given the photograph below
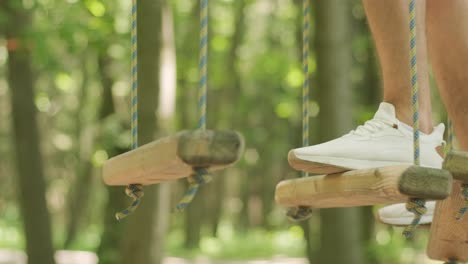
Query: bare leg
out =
(389, 23)
(447, 24)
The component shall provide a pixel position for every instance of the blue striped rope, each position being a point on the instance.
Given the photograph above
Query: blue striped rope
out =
(414, 205)
(414, 82)
(203, 64)
(134, 191)
(305, 72)
(302, 213)
(199, 176)
(418, 208)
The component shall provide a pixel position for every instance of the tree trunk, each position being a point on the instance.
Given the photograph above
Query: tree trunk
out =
(78, 194)
(341, 240)
(138, 245)
(31, 183)
(108, 252)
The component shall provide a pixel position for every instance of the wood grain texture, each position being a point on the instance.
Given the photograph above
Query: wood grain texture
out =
(207, 148)
(161, 160)
(449, 237)
(392, 184)
(457, 163)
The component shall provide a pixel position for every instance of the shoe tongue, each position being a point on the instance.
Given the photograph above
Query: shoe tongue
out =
(386, 112)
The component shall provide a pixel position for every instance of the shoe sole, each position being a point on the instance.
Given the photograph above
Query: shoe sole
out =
(312, 166)
(326, 165)
(399, 223)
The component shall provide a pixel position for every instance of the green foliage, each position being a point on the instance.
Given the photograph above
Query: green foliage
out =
(81, 47)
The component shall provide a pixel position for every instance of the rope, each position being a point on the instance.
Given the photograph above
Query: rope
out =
(298, 214)
(418, 208)
(199, 177)
(414, 205)
(302, 213)
(464, 208)
(203, 64)
(134, 191)
(305, 72)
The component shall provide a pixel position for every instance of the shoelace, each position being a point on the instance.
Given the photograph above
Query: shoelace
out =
(370, 127)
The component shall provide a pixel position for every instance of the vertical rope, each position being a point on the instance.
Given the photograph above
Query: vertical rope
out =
(135, 191)
(305, 72)
(302, 213)
(414, 83)
(203, 64)
(200, 176)
(134, 91)
(414, 205)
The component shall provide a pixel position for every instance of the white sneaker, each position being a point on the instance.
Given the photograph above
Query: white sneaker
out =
(381, 141)
(397, 214)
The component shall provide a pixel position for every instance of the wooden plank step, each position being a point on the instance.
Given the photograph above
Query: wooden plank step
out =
(449, 237)
(173, 157)
(392, 184)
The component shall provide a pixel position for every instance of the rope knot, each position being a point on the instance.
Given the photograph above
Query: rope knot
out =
(464, 209)
(418, 208)
(298, 214)
(198, 178)
(134, 191)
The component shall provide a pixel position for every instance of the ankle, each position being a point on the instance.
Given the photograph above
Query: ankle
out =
(425, 123)
(405, 115)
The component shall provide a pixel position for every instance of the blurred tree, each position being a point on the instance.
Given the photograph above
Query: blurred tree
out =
(340, 228)
(138, 243)
(31, 184)
(112, 234)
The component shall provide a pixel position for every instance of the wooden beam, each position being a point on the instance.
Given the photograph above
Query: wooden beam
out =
(174, 157)
(449, 237)
(393, 184)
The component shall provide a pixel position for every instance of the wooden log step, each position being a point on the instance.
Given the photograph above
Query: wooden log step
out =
(385, 185)
(457, 163)
(449, 236)
(173, 157)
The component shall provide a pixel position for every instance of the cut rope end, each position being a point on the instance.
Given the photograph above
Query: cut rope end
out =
(199, 177)
(134, 191)
(464, 209)
(418, 208)
(298, 214)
